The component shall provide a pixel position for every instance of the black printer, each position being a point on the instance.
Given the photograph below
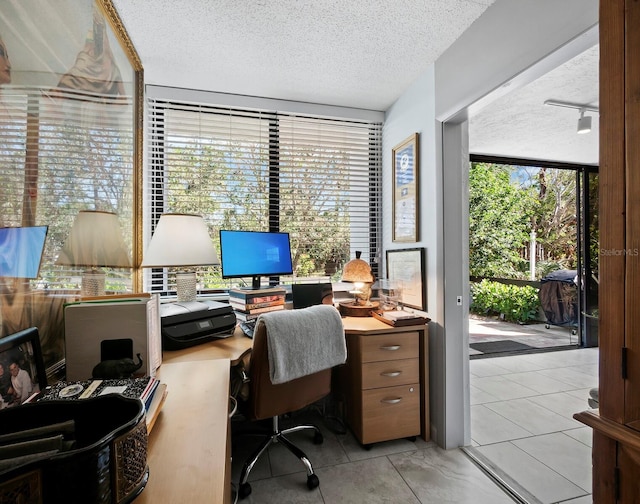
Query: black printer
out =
(185, 324)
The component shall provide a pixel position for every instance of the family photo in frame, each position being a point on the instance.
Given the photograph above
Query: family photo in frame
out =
(22, 371)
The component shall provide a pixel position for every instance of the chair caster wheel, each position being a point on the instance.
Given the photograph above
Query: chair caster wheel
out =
(317, 438)
(245, 490)
(312, 482)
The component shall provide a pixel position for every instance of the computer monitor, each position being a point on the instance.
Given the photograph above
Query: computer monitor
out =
(21, 251)
(255, 254)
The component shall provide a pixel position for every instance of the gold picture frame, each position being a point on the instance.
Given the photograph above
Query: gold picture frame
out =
(406, 164)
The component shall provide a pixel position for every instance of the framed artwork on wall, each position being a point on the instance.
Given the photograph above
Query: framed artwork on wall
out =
(405, 190)
(407, 266)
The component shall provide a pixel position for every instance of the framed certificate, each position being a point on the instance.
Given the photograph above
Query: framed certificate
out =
(407, 267)
(405, 190)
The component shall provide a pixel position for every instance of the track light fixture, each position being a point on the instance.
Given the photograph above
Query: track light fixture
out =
(584, 122)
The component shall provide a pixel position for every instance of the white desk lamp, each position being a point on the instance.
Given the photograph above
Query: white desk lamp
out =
(181, 240)
(95, 241)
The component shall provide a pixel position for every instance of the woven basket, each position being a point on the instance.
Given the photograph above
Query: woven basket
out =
(104, 459)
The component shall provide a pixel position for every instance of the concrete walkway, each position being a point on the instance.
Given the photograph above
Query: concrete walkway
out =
(534, 335)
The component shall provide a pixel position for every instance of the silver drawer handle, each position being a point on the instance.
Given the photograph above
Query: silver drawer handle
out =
(390, 347)
(391, 373)
(391, 401)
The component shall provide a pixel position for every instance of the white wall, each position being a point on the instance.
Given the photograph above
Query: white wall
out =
(514, 41)
(414, 112)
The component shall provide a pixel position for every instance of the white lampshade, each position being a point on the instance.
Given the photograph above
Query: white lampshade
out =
(180, 240)
(95, 240)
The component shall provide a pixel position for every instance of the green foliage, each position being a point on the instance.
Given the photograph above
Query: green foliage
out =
(499, 222)
(515, 303)
(555, 215)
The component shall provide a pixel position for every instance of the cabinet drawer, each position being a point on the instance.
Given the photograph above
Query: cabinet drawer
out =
(392, 346)
(390, 413)
(390, 373)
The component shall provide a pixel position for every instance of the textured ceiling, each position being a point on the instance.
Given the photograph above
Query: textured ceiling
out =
(521, 125)
(353, 53)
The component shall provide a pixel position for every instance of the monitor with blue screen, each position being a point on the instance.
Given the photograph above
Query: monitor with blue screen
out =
(255, 254)
(21, 251)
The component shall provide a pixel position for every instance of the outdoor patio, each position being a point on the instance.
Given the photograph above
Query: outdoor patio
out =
(493, 336)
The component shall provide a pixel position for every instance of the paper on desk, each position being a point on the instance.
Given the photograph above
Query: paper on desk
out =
(398, 315)
(113, 390)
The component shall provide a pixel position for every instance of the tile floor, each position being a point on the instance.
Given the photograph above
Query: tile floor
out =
(397, 472)
(522, 422)
(521, 428)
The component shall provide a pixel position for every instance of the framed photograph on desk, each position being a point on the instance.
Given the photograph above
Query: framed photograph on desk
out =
(21, 359)
(407, 266)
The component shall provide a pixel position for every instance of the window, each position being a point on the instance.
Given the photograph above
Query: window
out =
(316, 178)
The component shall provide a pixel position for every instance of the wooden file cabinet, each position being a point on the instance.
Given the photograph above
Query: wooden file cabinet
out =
(385, 380)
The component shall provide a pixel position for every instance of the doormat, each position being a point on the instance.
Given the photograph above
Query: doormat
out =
(500, 346)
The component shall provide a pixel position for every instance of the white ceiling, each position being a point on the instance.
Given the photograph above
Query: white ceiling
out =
(355, 53)
(520, 124)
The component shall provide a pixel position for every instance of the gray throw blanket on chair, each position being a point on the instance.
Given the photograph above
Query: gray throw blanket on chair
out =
(303, 342)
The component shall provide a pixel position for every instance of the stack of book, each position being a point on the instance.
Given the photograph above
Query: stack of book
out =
(249, 304)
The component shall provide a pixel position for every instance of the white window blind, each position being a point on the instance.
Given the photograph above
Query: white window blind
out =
(62, 152)
(316, 178)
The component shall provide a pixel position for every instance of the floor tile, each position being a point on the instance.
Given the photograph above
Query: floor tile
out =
(290, 489)
(582, 394)
(590, 369)
(538, 479)
(369, 481)
(477, 396)
(447, 476)
(582, 434)
(532, 417)
(517, 363)
(355, 451)
(565, 455)
(330, 452)
(562, 403)
(243, 447)
(503, 388)
(572, 377)
(539, 382)
(488, 427)
(486, 367)
(587, 499)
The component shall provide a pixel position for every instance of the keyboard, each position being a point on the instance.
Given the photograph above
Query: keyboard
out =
(248, 327)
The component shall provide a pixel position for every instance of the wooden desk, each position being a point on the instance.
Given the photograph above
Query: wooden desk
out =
(188, 448)
(189, 453)
(233, 348)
